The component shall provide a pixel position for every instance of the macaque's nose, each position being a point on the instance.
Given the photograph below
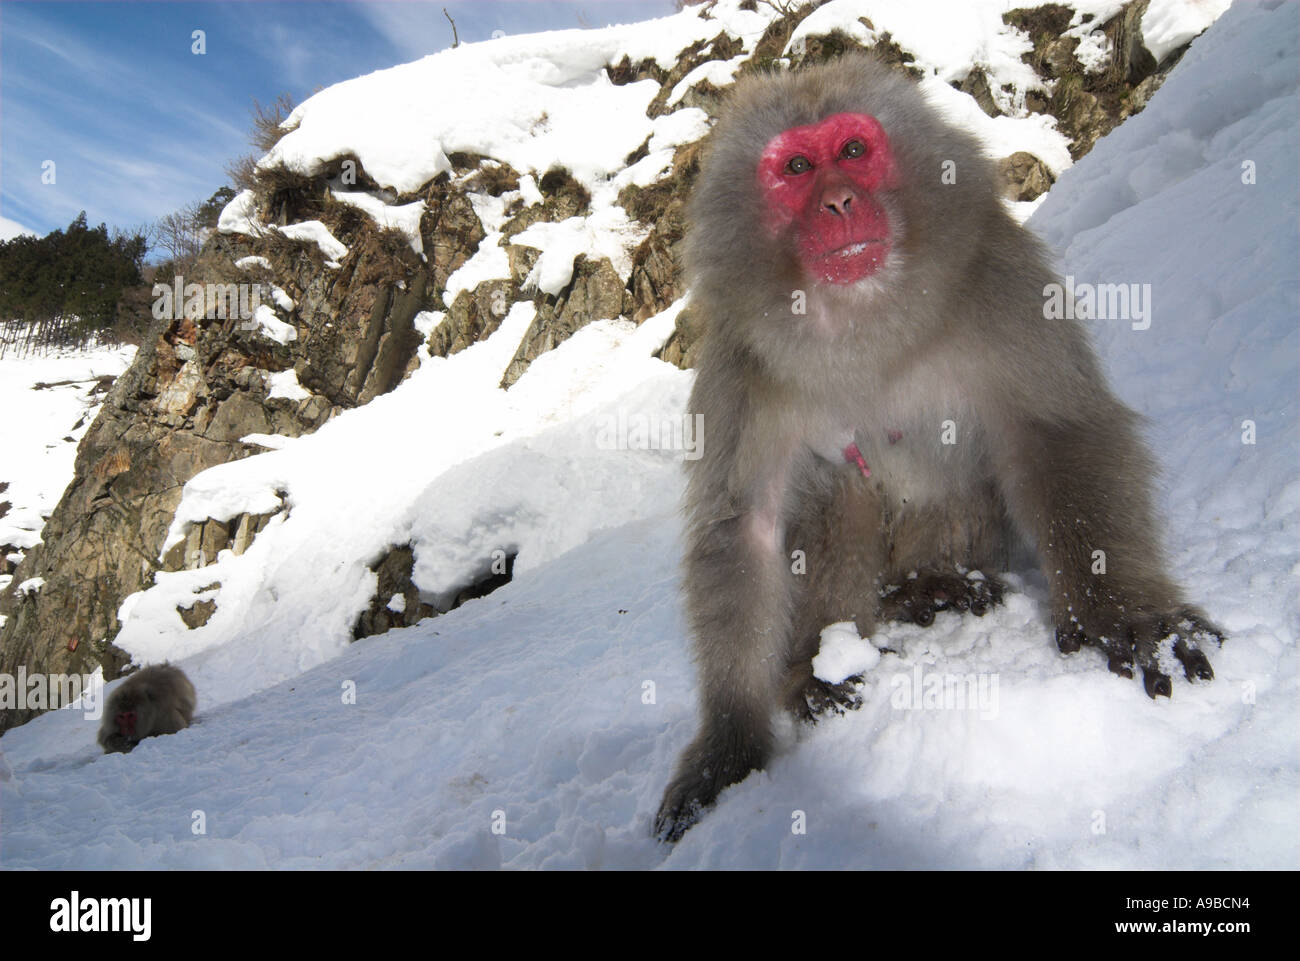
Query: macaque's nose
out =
(838, 198)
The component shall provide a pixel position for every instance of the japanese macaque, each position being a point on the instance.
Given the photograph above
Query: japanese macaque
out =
(152, 701)
(890, 415)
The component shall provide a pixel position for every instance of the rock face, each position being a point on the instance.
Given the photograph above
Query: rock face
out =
(348, 331)
(1026, 177)
(1087, 104)
(196, 388)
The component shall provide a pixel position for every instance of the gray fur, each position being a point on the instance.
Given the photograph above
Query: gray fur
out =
(950, 328)
(162, 699)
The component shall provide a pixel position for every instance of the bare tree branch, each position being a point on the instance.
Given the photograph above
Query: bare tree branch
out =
(455, 37)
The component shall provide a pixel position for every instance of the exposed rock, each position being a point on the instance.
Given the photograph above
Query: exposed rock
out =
(563, 197)
(1086, 105)
(888, 50)
(203, 541)
(682, 346)
(453, 232)
(773, 42)
(473, 317)
(655, 280)
(721, 47)
(1131, 61)
(397, 601)
(976, 84)
(198, 613)
(194, 390)
(594, 293)
(394, 576)
(1025, 176)
(492, 177)
(624, 72)
(499, 573)
(820, 48)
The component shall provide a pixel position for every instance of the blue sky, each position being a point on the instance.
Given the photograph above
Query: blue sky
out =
(138, 125)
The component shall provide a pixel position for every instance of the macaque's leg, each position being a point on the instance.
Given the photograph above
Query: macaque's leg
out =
(1082, 492)
(738, 586)
(842, 549)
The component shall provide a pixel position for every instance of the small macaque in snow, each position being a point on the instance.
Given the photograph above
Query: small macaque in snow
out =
(891, 415)
(155, 700)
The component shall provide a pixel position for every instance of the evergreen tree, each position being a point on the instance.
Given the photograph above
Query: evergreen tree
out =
(64, 288)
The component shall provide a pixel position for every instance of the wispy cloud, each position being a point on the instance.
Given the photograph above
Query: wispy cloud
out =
(9, 229)
(414, 29)
(139, 125)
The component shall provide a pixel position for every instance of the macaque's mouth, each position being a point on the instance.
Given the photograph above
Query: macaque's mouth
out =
(860, 247)
(850, 263)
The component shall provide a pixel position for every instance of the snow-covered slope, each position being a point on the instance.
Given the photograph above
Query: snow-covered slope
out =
(561, 699)
(42, 425)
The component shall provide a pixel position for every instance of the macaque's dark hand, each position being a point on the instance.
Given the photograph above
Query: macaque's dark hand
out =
(917, 599)
(1138, 641)
(822, 698)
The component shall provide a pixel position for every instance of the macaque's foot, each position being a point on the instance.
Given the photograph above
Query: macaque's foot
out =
(680, 808)
(917, 599)
(821, 698)
(702, 772)
(1139, 642)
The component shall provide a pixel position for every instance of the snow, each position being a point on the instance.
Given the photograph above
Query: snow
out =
(720, 73)
(1001, 136)
(533, 101)
(550, 487)
(269, 441)
(285, 384)
(1093, 51)
(1168, 24)
(9, 229)
(503, 98)
(43, 427)
(668, 132)
(608, 232)
(272, 327)
(563, 698)
(973, 34)
(425, 322)
(315, 232)
(843, 653)
(240, 217)
(282, 300)
(405, 218)
(490, 262)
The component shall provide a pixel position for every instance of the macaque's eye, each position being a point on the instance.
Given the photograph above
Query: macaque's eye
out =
(853, 149)
(799, 164)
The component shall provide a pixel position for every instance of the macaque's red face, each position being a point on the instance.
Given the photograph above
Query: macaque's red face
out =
(821, 181)
(126, 723)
